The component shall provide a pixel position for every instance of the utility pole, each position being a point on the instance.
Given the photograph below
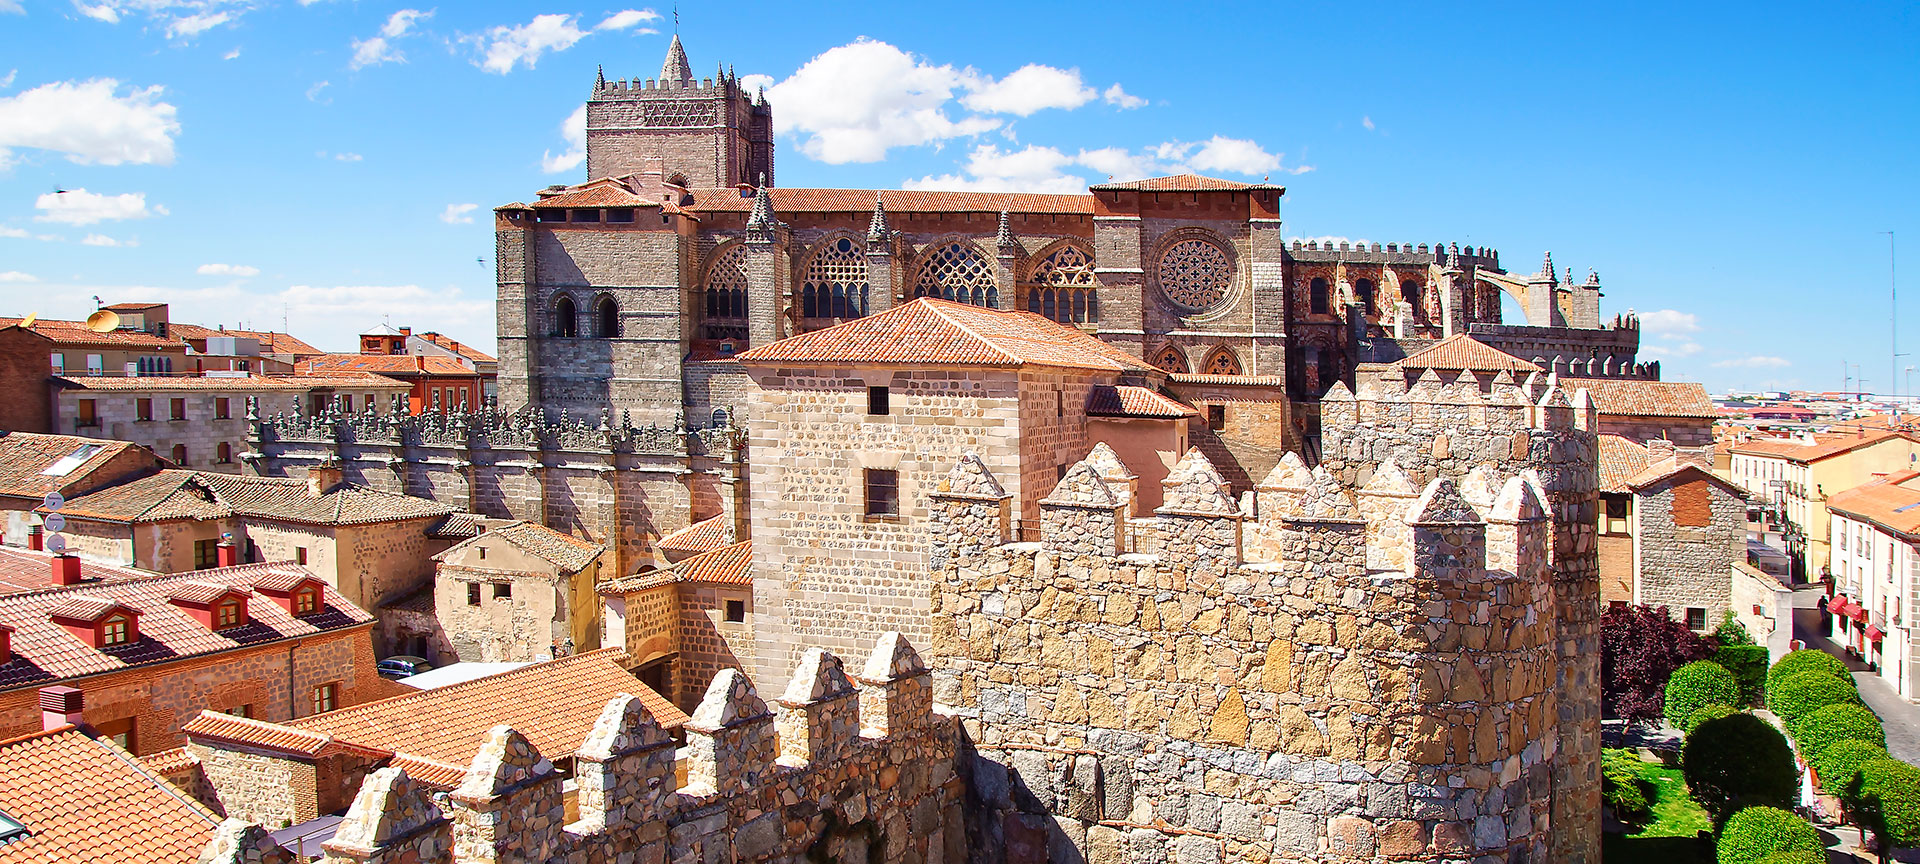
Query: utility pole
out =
(1893, 321)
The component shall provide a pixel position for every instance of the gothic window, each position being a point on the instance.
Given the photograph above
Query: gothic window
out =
(1063, 287)
(1317, 296)
(1221, 362)
(1363, 295)
(1170, 359)
(1410, 292)
(834, 284)
(566, 321)
(726, 296)
(606, 318)
(959, 272)
(1194, 273)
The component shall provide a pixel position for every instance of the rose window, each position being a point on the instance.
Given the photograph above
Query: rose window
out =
(1194, 274)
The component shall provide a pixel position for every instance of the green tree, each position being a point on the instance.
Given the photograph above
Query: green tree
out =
(1748, 663)
(1828, 726)
(1736, 761)
(1795, 696)
(1709, 711)
(1756, 833)
(1702, 682)
(1836, 765)
(1807, 660)
(1884, 795)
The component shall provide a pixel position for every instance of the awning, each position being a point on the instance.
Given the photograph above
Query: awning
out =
(1874, 634)
(1858, 613)
(1838, 605)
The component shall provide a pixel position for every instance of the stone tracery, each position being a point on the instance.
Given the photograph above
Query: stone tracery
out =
(959, 272)
(1194, 273)
(834, 284)
(726, 296)
(1063, 287)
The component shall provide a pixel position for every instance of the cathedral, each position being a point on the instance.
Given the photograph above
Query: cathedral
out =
(633, 290)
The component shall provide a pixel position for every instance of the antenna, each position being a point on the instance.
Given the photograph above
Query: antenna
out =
(1893, 321)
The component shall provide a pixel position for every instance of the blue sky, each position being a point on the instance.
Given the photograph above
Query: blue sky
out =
(1726, 170)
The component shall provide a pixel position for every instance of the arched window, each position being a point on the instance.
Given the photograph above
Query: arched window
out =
(959, 272)
(726, 296)
(1064, 287)
(1317, 296)
(606, 318)
(566, 321)
(1410, 292)
(1363, 294)
(834, 284)
(1171, 359)
(1221, 361)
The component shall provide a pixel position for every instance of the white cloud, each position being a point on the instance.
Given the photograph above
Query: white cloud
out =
(988, 169)
(80, 207)
(1236, 156)
(12, 7)
(231, 55)
(347, 157)
(1669, 322)
(1118, 163)
(99, 11)
(1757, 361)
(627, 18)
(91, 123)
(502, 48)
(104, 240)
(574, 131)
(1367, 122)
(1676, 350)
(402, 21)
(1217, 154)
(375, 50)
(180, 20)
(189, 26)
(458, 214)
(1126, 101)
(6, 231)
(17, 276)
(240, 270)
(1029, 89)
(8, 80)
(313, 93)
(855, 102)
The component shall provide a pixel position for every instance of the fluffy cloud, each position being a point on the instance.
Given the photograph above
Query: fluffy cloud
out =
(627, 18)
(98, 11)
(80, 207)
(313, 93)
(189, 26)
(855, 102)
(17, 276)
(347, 157)
(1029, 89)
(1367, 122)
(1126, 101)
(1669, 322)
(104, 240)
(458, 214)
(231, 55)
(336, 313)
(240, 270)
(91, 122)
(12, 7)
(375, 50)
(1673, 351)
(502, 48)
(988, 169)
(179, 19)
(574, 131)
(1045, 169)
(6, 231)
(1757, 361)
(1235, 156)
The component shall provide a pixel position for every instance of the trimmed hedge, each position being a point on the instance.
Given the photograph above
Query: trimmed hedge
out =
(1623, 785)
(1835, 723)
(1836, 764)
(1702, 682)
(1796, 696)
(1748, 663)
(1885, 796)
(1736, 761)
(1756, 833)
(1710, 711)
(1798, 856)
(1807, 660)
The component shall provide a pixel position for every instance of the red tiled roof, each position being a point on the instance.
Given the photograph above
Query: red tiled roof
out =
(1130, 401)
(82, 799)
(938, 332)
(1228, 380)
(554, 704)
(894, 200)
(434, 773)
(384, 364)
(704, 535)
(458, 347)
(197, 591)
(180, 494)
(1620, 460)
(45, 652)
(1892, 502)
(270, 342)
(277, 384)
(1671, 466)
(25, 456)
(133, 307)
(169, 762)
(1824, 445)
(597, 193)
(255, 733)
(1187, 183)
(159, 497)
(25, 570)
(76, 333)
(1463, 352)
(569, 553)
(727, 565)
(1647, 398)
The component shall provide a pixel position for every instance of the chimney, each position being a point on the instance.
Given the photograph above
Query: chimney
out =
(34, 538)
(322, 477)
(1658, 450)
(420, 362)
(226, 552)
(66, 569)
(61, 706)
(406, 331)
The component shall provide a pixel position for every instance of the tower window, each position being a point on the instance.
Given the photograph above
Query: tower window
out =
(1317, 297)
(1216, 417)
(606, 318)
(877, 402)
(566, 320)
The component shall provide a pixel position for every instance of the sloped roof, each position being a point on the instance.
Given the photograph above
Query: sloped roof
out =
(1892, 502)
(133, 307)
(1463, 352)
(458, 347)
(1187, 183)
(704, 535)
(82, 799)
(605, 192)
(270, 341)
(1823, 447)
(1620, 459)
(180, 494)
(1227, 380)
(249, 384)
(554, 704)
(24, 456)
(158, 497)
(1130, 401)
(384, 364)
(1648, 398)
(894, 200)
(456, 526)
(1672, 466)
(45, 652)
(76, 333)
(567, 552)
(939, 332)
(727, 565)
(26, 570)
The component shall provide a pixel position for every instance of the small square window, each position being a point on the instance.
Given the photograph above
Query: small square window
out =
(299, 554)
(502, 591)
(473, 593)
(1696, 618)
(114, 631)
(239, 711)
(325, 698)
(143, 409)
(177, 409)
(1216, 417)
(877, 402)
(736, 611)
(226, 615)
(306, 602)
(883, 492)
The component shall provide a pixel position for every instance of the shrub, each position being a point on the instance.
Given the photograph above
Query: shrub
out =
(1755, 833)
(1748, 663)
(1701, 682)
(1738, 760)
(1835, 723)
(1709, 711)
(1797, 856)
(1885, 796)
(1807, 660)
(1640, 646)
(1732, 632)
(1798, 695)
(1623, 785)
(1836, 764)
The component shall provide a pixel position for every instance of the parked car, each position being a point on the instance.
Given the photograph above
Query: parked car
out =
(403, 665)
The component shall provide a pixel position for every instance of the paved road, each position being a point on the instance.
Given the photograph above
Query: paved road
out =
(1901, 718)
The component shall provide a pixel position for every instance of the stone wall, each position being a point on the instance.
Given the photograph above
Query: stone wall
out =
(1689, 531)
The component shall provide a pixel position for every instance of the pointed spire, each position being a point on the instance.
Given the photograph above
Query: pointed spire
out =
(760, 222)
(1593, 277)
(877, 230)
(675, 68)
(599, 77)
(1004, 236)
(719, 73)
(1547, 268)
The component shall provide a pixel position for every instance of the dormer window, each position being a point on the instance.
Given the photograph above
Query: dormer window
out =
(115, 630)
(98, 622)
(306, 601)
(227, 613)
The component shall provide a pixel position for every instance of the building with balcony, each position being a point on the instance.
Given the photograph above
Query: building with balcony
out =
(1790, 480)
(1875, 542)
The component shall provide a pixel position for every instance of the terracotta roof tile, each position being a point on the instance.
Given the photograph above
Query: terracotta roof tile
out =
(439, 775)
(88, 801)
(181, 494)
(82, 607)
(704, 535)
(1186, 183)
(1228, 380)
(76, 333)
(133, 307)
(384, 364)
(1461, 351)
(1620, 460)
(1671, 466)
(554, 704)
(1892, 502)
(25, 570)
(44, 652)
(270, 342)
(456, 526)
(261, 734)
(895, 200)
(1647, 398)
(938, 332)
(1824, 445)
(727, 565)
(26, 456)
(1130, 401)
(251, 384)
(199, 591)
(458, 347)
(167, 763)
(159, 497)
(569, 553)
(598, 193)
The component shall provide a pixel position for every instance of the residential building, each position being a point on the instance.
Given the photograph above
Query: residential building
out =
(1792, 477)
(201, 422)
(1641, 411)
(390, 341)
(1875, 545)
(33, 465)
(272, 641)
(439, 384)
(130, 350)
(684, 624)
(256, 352)
(518, 592)
(66, 795)
(1671, 530)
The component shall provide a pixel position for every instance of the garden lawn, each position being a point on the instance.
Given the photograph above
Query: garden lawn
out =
(1669, 834)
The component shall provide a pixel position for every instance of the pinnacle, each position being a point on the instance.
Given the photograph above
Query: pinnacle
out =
(676, 67)
(877, 229)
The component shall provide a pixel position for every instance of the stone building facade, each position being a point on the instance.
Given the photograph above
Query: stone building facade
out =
(1689, 529)
(517, 593)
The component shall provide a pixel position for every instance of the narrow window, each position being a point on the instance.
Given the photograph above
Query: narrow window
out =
(306, 602)
(206, 554)
(473, 593)
(221, 409)
(883, 492)
(324, 697)
(1696, 618)
(299, 554)
(877, 403)
(59, 364)
(736, 611)
(1363, 294)
(180, 455)
(143, 409)
(88, 414)
(177, 410)
(1317, 297)
(566, 322)
(1216, 417)
(239, 711)
(606, 318)
(95, 365)
(483, 553)
(502, 591)
(226, 453)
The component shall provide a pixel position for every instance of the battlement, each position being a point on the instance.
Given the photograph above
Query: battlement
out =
(849, 768)
(1442, 254)
(488, 427)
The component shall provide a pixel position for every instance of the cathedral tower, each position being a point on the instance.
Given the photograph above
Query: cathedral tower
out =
(700, 133)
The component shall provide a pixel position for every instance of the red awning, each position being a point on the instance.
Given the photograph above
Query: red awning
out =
(1838, 605)
(1874, 634)
(1858, 613)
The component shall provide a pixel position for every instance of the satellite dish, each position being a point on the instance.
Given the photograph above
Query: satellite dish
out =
(56, 544)
(27, 322)
(103, 321)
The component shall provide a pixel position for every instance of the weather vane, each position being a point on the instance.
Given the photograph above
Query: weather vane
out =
(676, 19)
